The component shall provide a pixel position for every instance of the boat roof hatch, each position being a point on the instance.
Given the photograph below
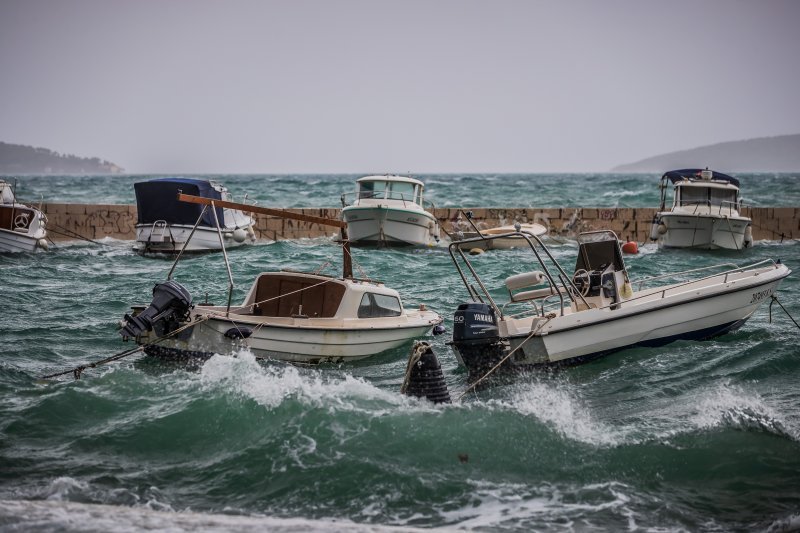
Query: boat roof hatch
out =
(599, 249)
(391, 177)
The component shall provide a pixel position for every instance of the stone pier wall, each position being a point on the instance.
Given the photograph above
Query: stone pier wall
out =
(95, 221)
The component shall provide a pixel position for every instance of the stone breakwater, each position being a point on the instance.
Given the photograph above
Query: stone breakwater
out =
(96, 221)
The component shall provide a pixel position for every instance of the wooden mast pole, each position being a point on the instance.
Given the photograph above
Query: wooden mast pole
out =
(347, 267)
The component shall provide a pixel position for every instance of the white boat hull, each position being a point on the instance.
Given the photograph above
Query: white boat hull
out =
(291, 341)
(389, 226)
(12, 241)
(709, 231)
(694, 313)
(173, 239)
(695, 310)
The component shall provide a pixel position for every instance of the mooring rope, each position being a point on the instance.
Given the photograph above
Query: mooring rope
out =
(74, 235)
(538, 328)
(775, 300)
(76, 372)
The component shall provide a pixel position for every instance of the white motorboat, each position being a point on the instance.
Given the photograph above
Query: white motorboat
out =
(389, 211)
(22, 227)
(164, 224)
(551, 317)
(503, 240)
(704, 213)
(290, 316)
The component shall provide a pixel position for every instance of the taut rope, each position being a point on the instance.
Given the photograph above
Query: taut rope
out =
(76, 372)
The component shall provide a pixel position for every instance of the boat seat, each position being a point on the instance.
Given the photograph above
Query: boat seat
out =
(526, 280)
(533, 295)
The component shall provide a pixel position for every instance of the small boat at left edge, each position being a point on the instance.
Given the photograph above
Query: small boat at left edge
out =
(22, 227)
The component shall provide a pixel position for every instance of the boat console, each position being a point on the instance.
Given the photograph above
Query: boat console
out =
(600, 274)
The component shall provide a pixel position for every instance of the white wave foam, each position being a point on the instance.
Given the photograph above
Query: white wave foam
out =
(785, 525)
(729, 405)
(519, 506)
(271, 385)
(24, 515)
(554, 405)
(62, 488)
(66, 489)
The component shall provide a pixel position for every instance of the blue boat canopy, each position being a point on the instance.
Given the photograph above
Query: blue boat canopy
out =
(694, 174)
(158, 200)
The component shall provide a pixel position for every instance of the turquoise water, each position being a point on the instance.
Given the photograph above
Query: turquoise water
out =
(690, 436)
(468, 190)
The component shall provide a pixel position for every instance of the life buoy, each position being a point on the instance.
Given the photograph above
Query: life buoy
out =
(21, 221)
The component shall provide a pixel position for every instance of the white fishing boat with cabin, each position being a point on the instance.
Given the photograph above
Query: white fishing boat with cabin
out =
(22, 227)
(704, 213)
(164, 225)
(389, 210)
(290, 316)
(551, 317)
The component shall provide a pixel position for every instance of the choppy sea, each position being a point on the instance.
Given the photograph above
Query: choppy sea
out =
(692, 436)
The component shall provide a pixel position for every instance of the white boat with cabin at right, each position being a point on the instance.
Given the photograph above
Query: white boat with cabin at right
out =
(704, 213)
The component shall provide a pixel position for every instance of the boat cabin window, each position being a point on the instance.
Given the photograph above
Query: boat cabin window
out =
(706, 196)
(723, 197)
(378, 305)
(404, 191)
(371, 189)
(693, 196)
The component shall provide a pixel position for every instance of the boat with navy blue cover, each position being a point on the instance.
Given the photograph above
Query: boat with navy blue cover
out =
(164, 224)
(704, 213)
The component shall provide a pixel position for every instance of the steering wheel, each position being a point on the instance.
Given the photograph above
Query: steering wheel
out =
(582, 279)
(21, 220)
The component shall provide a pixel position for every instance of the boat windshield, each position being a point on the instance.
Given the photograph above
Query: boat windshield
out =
(722, 197)
(597, 254)
(371, 189)
(378, 305)
(706, 196)
(403, 191)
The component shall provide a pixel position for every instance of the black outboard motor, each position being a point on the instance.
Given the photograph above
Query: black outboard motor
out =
(476, 338)
(171, 304)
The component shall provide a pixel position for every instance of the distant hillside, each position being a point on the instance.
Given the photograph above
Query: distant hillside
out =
(766, 154)
(19, 159)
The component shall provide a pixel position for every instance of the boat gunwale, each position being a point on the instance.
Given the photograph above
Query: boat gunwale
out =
(635, 311)
(415, 319)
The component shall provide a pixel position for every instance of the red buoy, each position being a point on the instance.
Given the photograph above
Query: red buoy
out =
(630, 247)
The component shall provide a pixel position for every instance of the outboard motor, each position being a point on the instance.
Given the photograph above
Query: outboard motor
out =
(424, 377)
(476, 337)
(171, 304)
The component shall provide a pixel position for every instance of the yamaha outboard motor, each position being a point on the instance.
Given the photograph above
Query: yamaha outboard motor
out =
(171, 305)
(476, 338)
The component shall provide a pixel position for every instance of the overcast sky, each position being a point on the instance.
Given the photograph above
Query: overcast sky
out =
(324, 86)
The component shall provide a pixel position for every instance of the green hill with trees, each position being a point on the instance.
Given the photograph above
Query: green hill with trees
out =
(20, 159)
